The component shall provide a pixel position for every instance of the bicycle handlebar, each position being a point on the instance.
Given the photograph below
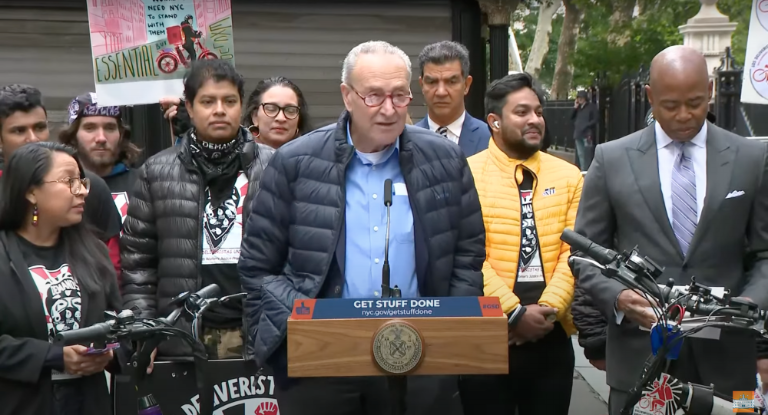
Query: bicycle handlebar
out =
(149, 333)
(641, 273)
(126, 326)
(93, 334)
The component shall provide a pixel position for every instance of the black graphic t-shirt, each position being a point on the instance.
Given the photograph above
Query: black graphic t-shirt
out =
(59, 291)
(530, 282)
(222, 236)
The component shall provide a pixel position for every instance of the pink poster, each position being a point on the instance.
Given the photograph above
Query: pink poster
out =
(142, 48)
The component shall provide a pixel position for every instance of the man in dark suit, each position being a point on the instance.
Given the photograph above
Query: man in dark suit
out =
(584, 118)
(444, 81)
(694, 198)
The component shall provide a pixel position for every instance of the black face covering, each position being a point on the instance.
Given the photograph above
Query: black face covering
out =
(219, 165)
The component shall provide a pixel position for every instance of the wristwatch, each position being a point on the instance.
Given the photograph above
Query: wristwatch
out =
(516, 315)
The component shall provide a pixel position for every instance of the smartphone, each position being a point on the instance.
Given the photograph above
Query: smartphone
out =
(109, 347)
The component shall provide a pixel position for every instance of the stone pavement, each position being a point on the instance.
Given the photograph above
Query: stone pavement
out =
(590, 393)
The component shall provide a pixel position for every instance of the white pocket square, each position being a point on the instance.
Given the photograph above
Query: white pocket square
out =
(735, 193)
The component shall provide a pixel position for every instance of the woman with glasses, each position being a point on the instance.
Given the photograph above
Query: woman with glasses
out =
(276, 112)
(55, 276)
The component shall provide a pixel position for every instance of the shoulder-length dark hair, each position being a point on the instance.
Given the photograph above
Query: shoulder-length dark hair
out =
(129, 152)
(87, 256)
(254, 101)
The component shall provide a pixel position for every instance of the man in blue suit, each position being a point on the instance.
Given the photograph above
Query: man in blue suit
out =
(444, 81)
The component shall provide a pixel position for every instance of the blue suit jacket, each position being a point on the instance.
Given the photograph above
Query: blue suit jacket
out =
(475, 134)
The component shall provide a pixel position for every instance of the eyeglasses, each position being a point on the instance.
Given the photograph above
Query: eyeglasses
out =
(76, 184)
(399, 100)
(290, 111)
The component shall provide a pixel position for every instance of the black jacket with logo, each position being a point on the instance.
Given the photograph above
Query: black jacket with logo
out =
(162, 240)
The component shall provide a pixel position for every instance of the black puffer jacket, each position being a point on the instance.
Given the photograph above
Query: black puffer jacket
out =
(591, 325)
(161, 246)
(293, 250)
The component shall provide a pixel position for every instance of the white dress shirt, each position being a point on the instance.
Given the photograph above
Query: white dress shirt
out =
(667, 153)
(454, 128)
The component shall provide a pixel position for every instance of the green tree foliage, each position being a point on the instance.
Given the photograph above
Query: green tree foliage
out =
(649, 33)
(739, 11)
(656, 28)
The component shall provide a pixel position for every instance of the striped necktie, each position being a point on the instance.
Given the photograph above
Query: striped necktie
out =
(443, 131)
(684, 207)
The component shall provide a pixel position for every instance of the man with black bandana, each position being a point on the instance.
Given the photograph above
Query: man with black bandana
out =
(186, 213)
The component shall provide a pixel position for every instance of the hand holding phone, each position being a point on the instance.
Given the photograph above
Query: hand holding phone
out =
(92, 351)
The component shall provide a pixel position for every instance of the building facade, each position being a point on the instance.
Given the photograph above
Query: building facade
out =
(48, 44)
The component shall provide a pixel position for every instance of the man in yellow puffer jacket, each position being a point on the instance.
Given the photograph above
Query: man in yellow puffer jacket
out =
(528, 198)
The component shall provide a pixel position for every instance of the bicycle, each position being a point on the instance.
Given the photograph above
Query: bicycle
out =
(657, 392)
(169, 58)
(148, 333)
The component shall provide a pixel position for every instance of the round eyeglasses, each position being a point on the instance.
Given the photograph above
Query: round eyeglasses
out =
(289, 111)
(76, 184)
(375, 99)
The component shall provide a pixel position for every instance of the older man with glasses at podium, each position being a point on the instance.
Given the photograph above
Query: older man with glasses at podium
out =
(319, 222)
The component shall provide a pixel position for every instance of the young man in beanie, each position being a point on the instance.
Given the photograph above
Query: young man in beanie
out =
(104, 145)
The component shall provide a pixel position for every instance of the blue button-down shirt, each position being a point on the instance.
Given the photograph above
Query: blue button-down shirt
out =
(366, 224)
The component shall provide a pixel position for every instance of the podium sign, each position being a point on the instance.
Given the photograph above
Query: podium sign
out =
(397, 336)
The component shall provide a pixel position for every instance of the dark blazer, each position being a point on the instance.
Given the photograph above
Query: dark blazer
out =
(25, 384)
(622, 202)
(475, 134)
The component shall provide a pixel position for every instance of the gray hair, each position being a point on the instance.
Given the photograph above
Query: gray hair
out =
(444, 52)
(372, 47)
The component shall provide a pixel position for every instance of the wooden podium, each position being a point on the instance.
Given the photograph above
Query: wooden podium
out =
(397, 336)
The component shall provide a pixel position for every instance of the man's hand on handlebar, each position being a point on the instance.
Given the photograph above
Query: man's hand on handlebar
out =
(533, 325)
(636, 308)
(77, 362)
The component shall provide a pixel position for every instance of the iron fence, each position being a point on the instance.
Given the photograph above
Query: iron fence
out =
(623, 106)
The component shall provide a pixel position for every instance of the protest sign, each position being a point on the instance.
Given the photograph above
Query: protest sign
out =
(754, 88)
(142, 48)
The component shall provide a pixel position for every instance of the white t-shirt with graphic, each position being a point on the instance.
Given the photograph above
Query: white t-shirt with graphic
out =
(223, 226)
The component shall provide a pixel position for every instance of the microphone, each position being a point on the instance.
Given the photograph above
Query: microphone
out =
(603, 256)
(386, 291)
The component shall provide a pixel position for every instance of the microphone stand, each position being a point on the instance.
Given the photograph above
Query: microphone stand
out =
(397, 384)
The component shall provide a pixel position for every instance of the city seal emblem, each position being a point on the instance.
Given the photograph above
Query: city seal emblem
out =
(397, 347)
